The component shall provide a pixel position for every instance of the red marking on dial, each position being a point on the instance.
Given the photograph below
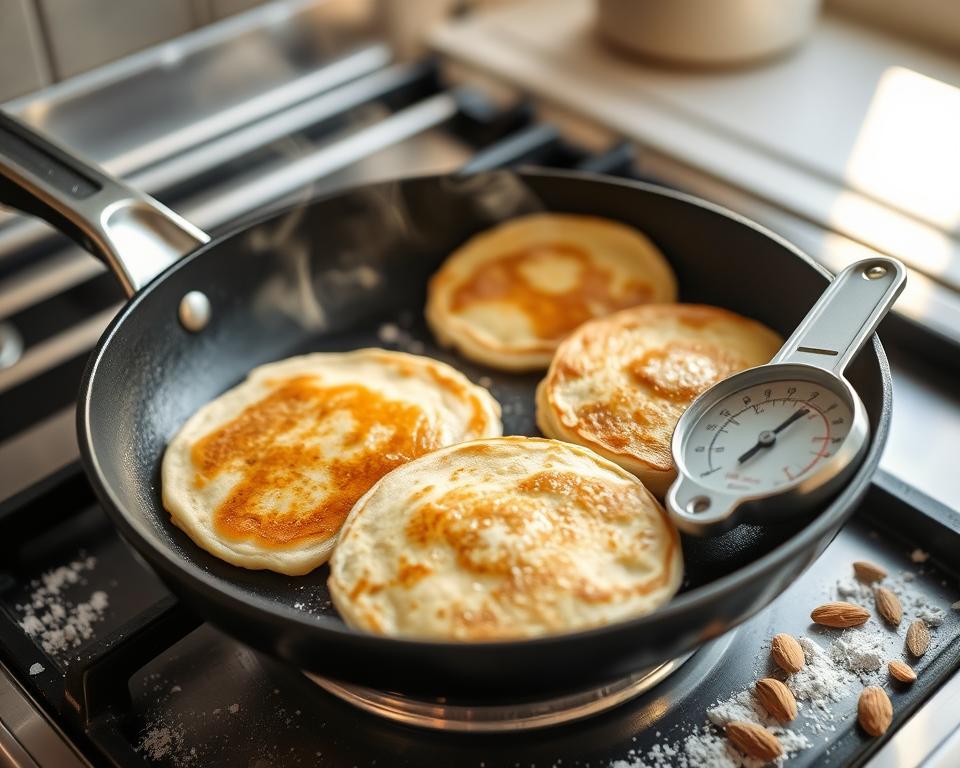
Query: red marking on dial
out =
(826, 438)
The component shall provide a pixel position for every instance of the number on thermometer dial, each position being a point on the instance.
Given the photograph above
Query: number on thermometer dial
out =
(766, 436)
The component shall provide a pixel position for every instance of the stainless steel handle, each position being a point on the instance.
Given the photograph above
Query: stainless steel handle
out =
(845, 316)
(134, 234)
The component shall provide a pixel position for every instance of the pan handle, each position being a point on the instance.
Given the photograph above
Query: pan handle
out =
(136, 236)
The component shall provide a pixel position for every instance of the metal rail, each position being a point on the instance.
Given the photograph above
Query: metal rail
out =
(223, 206)
(72, 266)
(21, 233)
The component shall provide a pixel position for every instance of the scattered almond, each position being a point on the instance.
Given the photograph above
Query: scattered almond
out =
(918, 638)
(754, 740)
(840, 615)
(777, 699)
(787, 653)
(888, 605)
(902, 672)
(868, 572)
(874, 710)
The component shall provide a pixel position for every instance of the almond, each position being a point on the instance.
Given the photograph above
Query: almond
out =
(754, 740)
(777, 699)
(918, 638)
(874, 711)
(888, 605)
(787, 653)
(902, 672)
(840, 615)
(868, 572)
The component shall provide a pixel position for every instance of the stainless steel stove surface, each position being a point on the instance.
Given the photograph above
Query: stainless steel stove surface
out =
(100, 665)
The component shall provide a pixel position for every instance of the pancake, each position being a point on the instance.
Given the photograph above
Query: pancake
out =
(509, 296)
(264, 476)
(618, 385)
(506, 538)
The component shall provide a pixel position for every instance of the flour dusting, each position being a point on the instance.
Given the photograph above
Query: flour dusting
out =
(862, 651)
(160, 741)
(741, 706)
(57, 622)
(825, 688)
(820, 682)
(706, 747)
(398, 337)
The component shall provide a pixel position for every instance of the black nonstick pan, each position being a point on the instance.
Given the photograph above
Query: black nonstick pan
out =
(328, 276)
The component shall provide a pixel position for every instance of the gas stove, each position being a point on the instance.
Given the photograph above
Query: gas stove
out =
(101, 665)
(140, 678)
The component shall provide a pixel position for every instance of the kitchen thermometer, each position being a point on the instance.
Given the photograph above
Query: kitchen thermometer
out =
(777, 440)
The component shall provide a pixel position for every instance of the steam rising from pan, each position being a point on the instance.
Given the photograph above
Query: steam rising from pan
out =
(312, 287)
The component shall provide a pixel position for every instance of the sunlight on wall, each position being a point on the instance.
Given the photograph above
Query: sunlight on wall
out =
(920, 298)
(908, 150)
(923, 247)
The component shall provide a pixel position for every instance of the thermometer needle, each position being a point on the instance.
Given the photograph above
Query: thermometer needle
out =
(769, 437)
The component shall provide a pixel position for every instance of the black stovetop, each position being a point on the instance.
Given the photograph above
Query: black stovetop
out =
(152, 684)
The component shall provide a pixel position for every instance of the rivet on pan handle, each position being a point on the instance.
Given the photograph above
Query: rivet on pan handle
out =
(134, 234)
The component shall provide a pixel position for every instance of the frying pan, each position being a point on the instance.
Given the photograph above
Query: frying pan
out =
(326, 276)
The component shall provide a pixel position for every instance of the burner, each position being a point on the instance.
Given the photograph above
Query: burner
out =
(460, 716)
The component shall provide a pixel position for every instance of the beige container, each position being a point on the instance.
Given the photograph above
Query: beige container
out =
(706, 32)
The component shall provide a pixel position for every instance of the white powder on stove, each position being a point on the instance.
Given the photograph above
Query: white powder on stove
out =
(160, 741)
(854, 590)
(709, 749)
(915, 604)
(820, 682)
(58, 623)
(791, 741)
(855, 657)
(742, 706)
(706, 746)
(861, 650)
(36, 668)
(865, 650)
(703, 748)
(931, 615)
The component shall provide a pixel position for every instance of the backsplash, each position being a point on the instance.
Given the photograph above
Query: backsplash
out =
(43, 41)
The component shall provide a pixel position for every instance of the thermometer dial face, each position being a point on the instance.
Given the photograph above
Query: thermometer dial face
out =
(766, 436)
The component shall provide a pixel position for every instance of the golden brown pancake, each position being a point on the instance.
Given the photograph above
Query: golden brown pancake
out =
(510, 295)
(503, 538)
(619, 384)
(265, 475)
